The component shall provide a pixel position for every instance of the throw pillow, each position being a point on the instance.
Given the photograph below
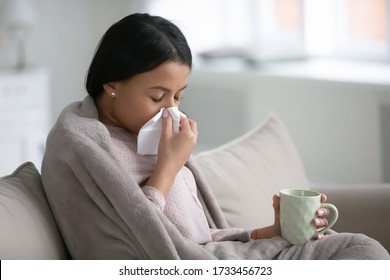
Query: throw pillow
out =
(245, 173)
(28, 229)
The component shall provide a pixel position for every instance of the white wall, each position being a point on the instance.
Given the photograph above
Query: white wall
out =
(64, 39)
(339, 128)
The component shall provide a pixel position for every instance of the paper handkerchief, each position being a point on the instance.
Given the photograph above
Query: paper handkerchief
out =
(149, 135)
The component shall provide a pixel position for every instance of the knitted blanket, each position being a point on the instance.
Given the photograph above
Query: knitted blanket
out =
(103, 214)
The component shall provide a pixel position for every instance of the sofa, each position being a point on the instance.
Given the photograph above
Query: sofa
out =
(243, 174)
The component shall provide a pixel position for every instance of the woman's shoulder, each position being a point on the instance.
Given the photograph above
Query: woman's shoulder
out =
(78, 123)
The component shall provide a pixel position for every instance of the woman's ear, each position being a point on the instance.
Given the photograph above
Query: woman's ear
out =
(110, 89)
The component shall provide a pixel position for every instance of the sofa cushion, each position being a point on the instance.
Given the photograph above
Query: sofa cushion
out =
(245, 173)
(28, 229)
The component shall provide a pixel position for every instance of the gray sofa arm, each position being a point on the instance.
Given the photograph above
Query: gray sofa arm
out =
(362, 209)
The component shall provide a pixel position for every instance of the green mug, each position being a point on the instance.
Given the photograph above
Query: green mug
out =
(297, 210)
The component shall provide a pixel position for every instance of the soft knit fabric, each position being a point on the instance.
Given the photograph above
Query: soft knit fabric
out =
(182, 206)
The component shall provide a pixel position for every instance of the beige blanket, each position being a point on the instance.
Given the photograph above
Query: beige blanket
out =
(103, 214)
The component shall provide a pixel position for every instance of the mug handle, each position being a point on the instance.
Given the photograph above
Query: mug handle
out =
(335, 212)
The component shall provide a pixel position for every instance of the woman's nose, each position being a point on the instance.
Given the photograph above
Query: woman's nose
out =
(170, 102)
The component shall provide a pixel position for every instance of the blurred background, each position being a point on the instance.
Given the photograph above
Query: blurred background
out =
(321, 65)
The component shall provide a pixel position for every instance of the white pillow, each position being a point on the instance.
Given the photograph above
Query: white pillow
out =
(28, 229)
(245, 173)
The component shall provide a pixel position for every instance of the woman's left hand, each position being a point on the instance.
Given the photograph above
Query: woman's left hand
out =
(320, 220)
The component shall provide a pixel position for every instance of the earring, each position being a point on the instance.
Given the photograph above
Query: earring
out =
(113, 94)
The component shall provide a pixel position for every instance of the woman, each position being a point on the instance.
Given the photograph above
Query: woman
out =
(141, 66)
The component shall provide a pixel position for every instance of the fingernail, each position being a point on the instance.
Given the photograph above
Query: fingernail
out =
(165, 113)
(317, 222)
(320, 212)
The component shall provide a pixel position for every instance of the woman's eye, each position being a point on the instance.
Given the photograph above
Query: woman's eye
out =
(157, 100)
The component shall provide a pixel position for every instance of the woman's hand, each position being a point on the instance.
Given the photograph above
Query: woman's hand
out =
(273, 230)
(176, 148)
(173, 152)
(320, 220)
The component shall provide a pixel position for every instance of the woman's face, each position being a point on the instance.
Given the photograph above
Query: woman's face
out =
(142, 96)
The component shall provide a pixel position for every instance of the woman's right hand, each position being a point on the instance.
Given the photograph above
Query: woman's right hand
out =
(173, 151)
(175, 148)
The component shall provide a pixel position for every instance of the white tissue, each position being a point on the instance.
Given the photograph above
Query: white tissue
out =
(149, 135)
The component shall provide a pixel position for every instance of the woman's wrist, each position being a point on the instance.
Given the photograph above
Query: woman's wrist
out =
(162, 178)
(266, 232)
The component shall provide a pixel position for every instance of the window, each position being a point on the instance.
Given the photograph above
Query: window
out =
(208, 26)
(365, 28)
(280, 29)
(347, 28)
